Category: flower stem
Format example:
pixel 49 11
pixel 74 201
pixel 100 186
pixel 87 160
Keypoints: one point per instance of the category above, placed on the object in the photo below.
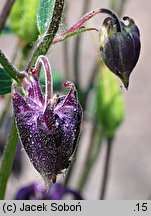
pixel 5 12
pixel 44 44
pixel 7 159
pixel 13 72
pixel 66 35
pixel 92 14
pixel 78 28
pixel 46 41
pixel 106 168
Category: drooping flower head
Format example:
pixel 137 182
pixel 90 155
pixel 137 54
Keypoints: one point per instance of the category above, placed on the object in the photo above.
pixel 48 125
pixel 120 46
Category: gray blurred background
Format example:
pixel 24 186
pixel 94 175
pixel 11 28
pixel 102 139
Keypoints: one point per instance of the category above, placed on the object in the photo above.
pixel 130 171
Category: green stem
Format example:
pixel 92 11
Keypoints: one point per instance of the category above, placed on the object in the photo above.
pixel 7 159
pixel 106 168
pixel 45 42
pixel 13 72
pixel 65 36
pixel 91 14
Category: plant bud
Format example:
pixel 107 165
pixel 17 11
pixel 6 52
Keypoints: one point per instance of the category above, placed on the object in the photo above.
pixel 120 47
pixel 48 129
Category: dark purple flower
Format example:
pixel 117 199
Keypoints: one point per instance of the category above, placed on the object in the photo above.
pixel 48 126
pixel 57 192
pixel 36 191
pixel 33 191
pixel 120 47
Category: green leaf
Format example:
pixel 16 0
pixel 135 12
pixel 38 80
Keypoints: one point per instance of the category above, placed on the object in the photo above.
pixel 5 82
pixel 44 14
pixel 7 160
pixel 22 19
pixel 110 103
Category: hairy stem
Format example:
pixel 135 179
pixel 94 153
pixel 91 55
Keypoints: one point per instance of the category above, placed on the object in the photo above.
pixel 92 14
pixel 44 44
pixel 13 72
pixel 64 36
pixel 78 28
pixel 5 12
pixel 106 168
pixel 7 159
pixel 46 41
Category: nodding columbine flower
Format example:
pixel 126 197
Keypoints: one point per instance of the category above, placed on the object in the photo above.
pixel 120 47
pixel 48 126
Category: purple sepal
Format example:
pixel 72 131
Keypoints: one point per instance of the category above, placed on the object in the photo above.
pixel 36 191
